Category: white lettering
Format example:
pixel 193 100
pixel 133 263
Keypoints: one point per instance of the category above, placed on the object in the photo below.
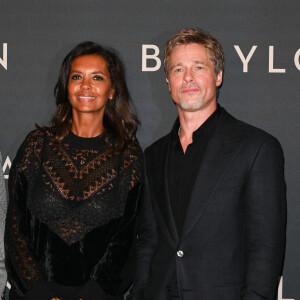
pixel 6 164
pixel 244 60
pixel 280 290
pixel 271 62
pixel 146 56
pixel 297 59
pixel 3 61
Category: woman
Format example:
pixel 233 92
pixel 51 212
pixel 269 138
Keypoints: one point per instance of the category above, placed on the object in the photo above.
pixel 74 188
pixel 3 204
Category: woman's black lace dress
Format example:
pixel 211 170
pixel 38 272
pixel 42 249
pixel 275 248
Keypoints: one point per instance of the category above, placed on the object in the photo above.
pixel 71 217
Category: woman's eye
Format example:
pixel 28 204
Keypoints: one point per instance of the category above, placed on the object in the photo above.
pixel 98 77
pixel 76 77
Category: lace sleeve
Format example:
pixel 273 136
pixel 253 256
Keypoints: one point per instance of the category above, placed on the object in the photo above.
pixel 22 268
pixel 114 272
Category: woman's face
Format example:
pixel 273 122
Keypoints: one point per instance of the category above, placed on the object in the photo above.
pixel 89 85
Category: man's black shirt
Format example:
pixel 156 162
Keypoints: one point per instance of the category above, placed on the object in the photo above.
pixel 183 167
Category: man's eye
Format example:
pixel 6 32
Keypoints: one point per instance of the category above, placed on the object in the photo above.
pixel 178 70
pixel 98 77
pixel 199 68
pixel 76 77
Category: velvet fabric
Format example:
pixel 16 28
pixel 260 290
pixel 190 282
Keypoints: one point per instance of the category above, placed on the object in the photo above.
pixel 71 217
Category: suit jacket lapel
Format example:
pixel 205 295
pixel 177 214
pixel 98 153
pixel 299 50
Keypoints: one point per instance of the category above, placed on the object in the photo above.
pixel 169 213
pixel 160 186
pixel 221 149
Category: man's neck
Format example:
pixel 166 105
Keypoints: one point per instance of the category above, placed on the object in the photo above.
pixel 191 121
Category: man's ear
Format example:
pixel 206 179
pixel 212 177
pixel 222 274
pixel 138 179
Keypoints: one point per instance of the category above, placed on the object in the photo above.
pixel 219 78
pixel 167 80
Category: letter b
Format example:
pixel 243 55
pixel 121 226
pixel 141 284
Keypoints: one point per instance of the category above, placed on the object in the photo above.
pixel 146 56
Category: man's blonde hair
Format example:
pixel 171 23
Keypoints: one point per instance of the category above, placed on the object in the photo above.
pixel 197 36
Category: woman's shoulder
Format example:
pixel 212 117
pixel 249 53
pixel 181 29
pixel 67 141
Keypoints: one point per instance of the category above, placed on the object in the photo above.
pixel 134 149
pixel 34 141
pixel 133 162
pixel 39 134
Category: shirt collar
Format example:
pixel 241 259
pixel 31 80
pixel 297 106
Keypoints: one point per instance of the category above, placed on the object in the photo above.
pixel 206 129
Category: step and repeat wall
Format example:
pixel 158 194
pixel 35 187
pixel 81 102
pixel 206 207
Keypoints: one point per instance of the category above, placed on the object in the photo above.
pixel 261 85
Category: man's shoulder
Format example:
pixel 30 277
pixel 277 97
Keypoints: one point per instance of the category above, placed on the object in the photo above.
pixel 158 146
pixel 249 132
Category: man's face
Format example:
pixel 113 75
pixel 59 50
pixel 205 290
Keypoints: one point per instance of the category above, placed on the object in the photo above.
pixel 192 79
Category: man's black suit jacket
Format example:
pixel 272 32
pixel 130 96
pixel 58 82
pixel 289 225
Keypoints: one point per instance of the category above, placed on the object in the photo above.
pixel 233 240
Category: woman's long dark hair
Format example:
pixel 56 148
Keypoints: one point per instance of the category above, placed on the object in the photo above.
pixel 119 120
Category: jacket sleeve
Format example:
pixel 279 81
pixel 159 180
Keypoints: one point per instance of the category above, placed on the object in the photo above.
pixel 114 271
pixel 266 222
pixel 146 239
pixel 24 271
pixel 3 206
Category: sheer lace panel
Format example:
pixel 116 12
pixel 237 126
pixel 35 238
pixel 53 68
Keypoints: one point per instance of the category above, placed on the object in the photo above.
pixel 77 190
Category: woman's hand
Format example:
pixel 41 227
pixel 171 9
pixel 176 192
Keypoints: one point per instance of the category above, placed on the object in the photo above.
pixel 61 299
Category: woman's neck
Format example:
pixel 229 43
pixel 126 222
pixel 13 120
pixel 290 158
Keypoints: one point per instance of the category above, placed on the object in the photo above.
pixel 87 125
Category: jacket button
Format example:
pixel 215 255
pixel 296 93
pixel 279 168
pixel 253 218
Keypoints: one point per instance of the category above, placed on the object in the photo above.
pixel 169 289
pixel 180 253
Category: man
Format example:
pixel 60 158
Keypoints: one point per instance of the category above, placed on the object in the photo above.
pixel 212 223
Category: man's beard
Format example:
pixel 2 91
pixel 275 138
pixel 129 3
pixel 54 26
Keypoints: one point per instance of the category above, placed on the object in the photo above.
pixel 184 104
pixel 190 107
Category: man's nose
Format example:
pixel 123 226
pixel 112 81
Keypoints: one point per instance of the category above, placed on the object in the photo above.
pixel 188 75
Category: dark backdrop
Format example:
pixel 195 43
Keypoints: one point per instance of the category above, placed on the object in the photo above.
pixel 264 92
